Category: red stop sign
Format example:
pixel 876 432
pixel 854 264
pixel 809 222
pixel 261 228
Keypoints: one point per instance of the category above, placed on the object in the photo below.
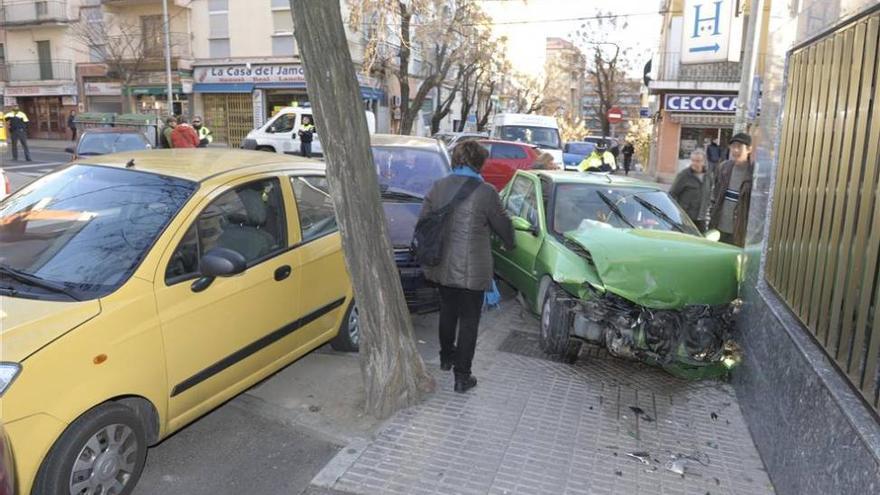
pixel 615 115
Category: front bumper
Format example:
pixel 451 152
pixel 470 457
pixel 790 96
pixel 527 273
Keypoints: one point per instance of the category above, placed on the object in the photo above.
pixel 31 438
pixel 420 294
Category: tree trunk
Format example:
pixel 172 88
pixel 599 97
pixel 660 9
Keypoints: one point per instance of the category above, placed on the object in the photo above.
pixel 406 122
pixel 394 374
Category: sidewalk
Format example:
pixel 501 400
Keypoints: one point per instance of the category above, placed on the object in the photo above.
pixel 535 426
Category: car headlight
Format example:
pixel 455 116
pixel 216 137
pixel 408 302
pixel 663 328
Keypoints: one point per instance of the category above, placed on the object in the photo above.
pixel 8 373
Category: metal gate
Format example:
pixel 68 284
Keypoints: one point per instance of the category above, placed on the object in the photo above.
pixel 824 244
pixel 229 116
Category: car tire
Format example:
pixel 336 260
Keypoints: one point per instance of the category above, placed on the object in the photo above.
pixel 348 338
pixel 266 148
pixel 117 467
pixel 555 322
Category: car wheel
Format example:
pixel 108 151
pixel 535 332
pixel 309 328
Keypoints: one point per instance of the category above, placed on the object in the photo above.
pixel 266 148
pixel 555 322
pixel 349 336
pixel 103 451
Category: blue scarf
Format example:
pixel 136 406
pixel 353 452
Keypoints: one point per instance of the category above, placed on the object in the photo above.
pixel 465 171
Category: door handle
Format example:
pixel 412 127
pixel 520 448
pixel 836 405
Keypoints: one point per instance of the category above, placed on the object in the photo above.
pixel 282 272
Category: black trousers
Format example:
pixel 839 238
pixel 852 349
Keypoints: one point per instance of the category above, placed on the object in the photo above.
pixel 459 309
pixel 16 137
pixel 73 133
pixel 305 149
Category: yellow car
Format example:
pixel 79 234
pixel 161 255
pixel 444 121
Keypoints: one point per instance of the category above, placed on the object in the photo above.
pixel 140 290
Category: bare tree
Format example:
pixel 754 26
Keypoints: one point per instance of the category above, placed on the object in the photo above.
pixel 124 47
pixel 528 93
pixel 394 374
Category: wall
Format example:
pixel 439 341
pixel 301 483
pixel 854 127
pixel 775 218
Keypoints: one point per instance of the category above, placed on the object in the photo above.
pixel 814 434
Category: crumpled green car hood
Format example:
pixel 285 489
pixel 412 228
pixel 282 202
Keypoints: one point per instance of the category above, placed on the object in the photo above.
pixel 662 270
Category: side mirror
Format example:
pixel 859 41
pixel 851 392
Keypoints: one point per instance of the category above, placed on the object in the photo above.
pixel 713 235
pixel 69 150
pixel 222 262
pixel 523 225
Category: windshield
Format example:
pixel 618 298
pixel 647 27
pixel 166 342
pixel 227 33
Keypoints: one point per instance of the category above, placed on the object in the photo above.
pixel 542 137
pixel 580 148
pixel 618 207
pixel 87 227
pixel 102 143
pixel 409 170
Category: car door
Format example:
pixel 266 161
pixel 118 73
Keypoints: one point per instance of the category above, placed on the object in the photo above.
pixel 281 134
pixel 216 336
pixel 518 266
pixel 321 263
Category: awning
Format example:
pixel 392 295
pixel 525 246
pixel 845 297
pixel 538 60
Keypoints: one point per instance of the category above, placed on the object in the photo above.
pixel 223 88
pixel 703 119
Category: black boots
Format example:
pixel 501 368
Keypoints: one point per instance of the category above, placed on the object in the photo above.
pixel 463 383
pixel 445 364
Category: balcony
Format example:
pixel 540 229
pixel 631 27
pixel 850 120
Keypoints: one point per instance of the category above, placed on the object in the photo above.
pixel 39 70
pixel 14 14
pixel 672 74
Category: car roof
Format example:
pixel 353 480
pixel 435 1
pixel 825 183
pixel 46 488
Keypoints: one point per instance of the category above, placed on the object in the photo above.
pixel 404 141
pixel 111 130
pixel 567 177
pixel 200 164
pixel 501 141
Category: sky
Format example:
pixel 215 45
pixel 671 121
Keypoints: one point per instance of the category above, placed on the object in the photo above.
pixel 526 39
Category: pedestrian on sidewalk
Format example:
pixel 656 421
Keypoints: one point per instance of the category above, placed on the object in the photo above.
pixel 71 124
pixel 713 156
pixel 732 192
pixel 465 270
pixel 17 124
pixel 691 189
pixel 628 152
pixel 170 123
pixel 205 135
pixel 306 132
pixel 183 135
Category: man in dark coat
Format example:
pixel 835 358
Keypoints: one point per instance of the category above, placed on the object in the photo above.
pixel 732 192
pixel 691 189
pixel 465 270
pixel 628 152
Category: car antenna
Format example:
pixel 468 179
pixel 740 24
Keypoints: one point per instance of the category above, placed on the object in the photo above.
pixel 130 164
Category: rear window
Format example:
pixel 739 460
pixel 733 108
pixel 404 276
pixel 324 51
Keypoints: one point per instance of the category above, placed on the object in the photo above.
pixel 410 170
pixel 509 151
pixel 102 143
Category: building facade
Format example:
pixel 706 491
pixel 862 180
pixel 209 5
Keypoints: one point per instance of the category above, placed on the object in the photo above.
pixel 564 69
pixel 629 98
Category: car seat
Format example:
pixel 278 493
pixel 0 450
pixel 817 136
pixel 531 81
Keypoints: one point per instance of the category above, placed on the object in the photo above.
pixel 245 233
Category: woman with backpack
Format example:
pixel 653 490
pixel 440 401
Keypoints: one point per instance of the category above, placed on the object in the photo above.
pixel 471 210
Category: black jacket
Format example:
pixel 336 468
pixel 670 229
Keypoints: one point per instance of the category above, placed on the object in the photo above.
pixel 692 193
pixel 466 261
pixel 741 213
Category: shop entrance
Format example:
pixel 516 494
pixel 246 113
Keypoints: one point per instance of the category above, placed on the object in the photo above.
pixel 699 138
pixel 46 116
pixel 230 116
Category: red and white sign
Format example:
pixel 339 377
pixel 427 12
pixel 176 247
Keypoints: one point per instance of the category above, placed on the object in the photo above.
pixel 40 90
pixel 103 88
pixel 615 115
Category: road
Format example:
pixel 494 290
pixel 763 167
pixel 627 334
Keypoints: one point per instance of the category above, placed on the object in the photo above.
pixel 21 172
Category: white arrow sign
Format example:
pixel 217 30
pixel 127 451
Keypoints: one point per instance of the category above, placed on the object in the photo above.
pixel 712 32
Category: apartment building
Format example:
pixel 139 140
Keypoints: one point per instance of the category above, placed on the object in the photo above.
pixel 565 67
pixel 628 99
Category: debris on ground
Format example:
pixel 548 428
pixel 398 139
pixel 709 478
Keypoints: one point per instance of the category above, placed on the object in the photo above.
pixel 638 411
pixel 714 416
pixel 676 466
pixel 644 457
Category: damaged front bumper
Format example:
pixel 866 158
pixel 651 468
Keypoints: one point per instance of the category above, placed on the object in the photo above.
pixel 693 342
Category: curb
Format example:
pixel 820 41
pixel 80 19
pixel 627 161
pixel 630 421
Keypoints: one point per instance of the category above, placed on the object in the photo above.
pixel 330 474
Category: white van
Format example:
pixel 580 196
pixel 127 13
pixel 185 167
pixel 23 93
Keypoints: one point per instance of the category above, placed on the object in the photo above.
pixel 281 132
pixel 539 130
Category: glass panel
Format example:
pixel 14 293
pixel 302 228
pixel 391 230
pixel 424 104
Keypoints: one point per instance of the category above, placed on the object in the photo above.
pixel 283 46
pixel 317 217
pixel 218 26
pixel 282 21
pixel 508 151
pixel 280 4
pixel 216 5
pixel 408 170
pixel 218 48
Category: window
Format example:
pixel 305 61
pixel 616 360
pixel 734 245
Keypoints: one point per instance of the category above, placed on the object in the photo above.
pixel 283 46
pixel 248 219
pixel 284 123
pixel 218 48
pixel 153 33
pixel 282 22
pixel 503 150
pixel 218 25
pixel 2 54
pixel 317 217
pixel 521 201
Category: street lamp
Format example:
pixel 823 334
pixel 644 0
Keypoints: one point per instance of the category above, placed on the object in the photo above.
pixel 167 56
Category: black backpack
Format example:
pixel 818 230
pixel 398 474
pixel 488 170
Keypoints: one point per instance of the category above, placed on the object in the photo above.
pixel 427 243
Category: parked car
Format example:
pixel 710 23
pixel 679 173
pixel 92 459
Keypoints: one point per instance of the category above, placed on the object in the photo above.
pixel 450 139
pixel 5 185
pixel 281 132
pixel 573 153
pixel 141 290
pixel 616 262
pixel 106 140
pixel 7 466
pixel 505 158
pixel 407 167
pixel 539 130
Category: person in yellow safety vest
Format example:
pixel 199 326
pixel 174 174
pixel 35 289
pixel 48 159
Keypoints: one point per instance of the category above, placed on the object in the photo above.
pixel 17 123
pixel 205 136
pixel 600 160
pixel 306 133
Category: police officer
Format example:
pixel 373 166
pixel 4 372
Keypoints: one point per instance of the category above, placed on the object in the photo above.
pixel 306 131
pixel 600 160
pixel 17 122
pixel 205 136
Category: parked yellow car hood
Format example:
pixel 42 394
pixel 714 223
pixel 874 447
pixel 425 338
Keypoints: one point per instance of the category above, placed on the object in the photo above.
pixel 26 325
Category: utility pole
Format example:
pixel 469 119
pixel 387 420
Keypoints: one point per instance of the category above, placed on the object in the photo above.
pixel 167 25
pixel 749 66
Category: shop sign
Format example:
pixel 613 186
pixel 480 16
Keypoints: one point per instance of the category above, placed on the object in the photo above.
pixel 700 103
pixel 186 86
pixel 712 31
pixel 68 101
pixel 9 101
pixel 262 73
pixel 40 90
pixel 103 88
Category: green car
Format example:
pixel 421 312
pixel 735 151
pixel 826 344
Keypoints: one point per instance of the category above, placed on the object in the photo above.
pixel 616 262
